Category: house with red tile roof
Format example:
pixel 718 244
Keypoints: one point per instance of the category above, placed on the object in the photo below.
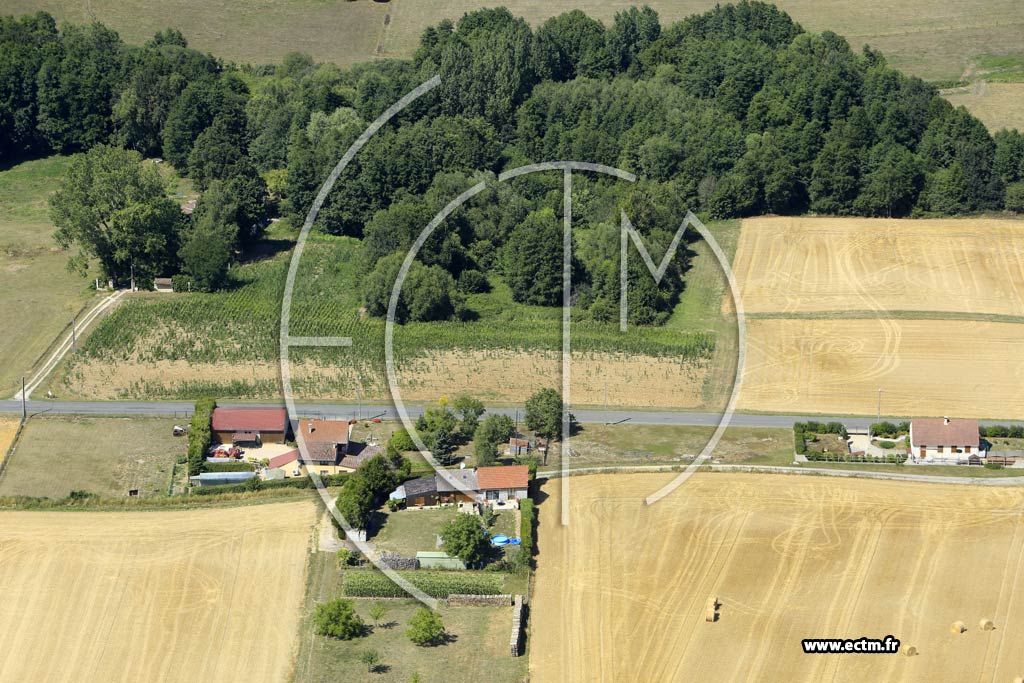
pixel 502 485
pixel 249 425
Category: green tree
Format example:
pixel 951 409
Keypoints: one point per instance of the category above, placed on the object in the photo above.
pixel 355 502
pixel 469 411
pixel 376 473
pixel 206 254
pixel 486 452
pixel 377 611
pixel 544 413
pixel 891 187
pixel 338 619
pixel 533 259
pixel 1015 196
pixel 426 627
pixel 442 445
pixel 466 539
pixel 116 212
pixel 370 658
pixel 401 441
pixel 493 430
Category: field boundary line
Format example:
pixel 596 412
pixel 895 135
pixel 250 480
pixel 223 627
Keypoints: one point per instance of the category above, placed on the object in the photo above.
pixel 10 449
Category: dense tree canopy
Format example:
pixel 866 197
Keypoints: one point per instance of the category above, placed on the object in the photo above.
pixel 733 112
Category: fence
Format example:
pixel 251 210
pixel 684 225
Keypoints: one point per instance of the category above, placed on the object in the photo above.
pixel 518 619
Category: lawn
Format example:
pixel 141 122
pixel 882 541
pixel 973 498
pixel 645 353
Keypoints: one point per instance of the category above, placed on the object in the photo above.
pixel 598 445
pixel 478 649
pixel 101 455
pixel 408 531
pixel 40 295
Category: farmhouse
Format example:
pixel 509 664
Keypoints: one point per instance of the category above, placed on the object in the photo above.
pixel 502 485
pixel 945 439
pixel 481 486
pixel 250 425
pixel 329 446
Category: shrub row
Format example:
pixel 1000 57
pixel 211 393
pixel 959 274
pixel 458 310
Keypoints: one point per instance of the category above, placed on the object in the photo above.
pixel 889 429
pixel 1003 431
pixel 200 435
pixel 369 583
pixel 527 515
pixel 802 429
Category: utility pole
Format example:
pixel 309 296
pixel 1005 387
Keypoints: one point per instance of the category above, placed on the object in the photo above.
pixel 359 394
pixel 879 404
pixel 24 405
pixel 133 276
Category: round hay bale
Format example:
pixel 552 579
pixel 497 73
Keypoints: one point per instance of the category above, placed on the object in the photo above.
pixel 987 625
pixel 911 651
pixel 957 627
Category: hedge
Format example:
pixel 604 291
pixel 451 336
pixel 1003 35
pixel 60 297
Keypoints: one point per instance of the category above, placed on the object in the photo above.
pixel 1002 431
pixel 369 583
pixel 889 429
pixel 527 515
pixel 200 435
pixel 801 429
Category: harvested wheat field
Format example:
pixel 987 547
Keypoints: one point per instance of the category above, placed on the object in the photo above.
pixel 799 265
pixel 924 367
pixel 196 595
pixel 622 592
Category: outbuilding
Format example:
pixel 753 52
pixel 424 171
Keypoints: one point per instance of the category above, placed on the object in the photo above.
pixel 252 425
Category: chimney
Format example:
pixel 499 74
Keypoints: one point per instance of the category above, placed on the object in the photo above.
pixel 945 420
pixel 350 426
pixel 310 426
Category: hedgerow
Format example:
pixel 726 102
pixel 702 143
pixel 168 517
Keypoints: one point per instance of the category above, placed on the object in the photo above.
pixel 368 583
pixel 200 435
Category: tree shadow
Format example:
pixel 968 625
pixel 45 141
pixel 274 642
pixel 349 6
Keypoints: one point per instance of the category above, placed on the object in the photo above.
pixel 378 520
pixel 264 249
pixel 380 669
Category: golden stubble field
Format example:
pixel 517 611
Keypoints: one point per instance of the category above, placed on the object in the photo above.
pixel 801 265
pixel 621 592
pixel 926 310
pixel 193 595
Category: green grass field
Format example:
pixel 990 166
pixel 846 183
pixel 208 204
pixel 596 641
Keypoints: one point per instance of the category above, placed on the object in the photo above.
pixel 599 445
pixel 478 650
pixel 933 39
pixel 106 456
pixel 39 294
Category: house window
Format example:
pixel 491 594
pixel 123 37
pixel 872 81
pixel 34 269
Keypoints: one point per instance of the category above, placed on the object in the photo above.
pixel 941 448
pixel 492 495
pixel 968 449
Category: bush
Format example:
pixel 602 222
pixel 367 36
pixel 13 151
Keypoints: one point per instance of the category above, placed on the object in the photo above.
pixel 370 583
pixel 527 516
pixel 338 619
pixel 888 429
pixel 426 628
pixel 401 440
pixel 293 483
pixel 886 444
pixel 993 466
pixel 474 282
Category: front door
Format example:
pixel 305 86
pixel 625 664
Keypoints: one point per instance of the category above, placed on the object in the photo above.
pixel 922 452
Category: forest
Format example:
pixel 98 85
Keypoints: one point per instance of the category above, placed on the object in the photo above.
pixel 730 113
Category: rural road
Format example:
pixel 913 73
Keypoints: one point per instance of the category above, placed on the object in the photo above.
pixel 347 410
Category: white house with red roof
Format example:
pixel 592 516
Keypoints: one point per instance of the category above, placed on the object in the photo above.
pixel 944 439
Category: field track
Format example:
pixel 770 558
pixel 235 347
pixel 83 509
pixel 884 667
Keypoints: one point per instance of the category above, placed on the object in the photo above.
pixel 194 595
pixel 624 586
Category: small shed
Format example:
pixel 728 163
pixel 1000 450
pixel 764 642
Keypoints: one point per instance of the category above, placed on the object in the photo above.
pixel 438 559
pixel 518 446
pixel 163 284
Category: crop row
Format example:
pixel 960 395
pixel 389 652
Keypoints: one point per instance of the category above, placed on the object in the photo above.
pixel 368 583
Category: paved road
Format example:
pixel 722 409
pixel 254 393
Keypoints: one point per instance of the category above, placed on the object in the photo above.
pixel 344 411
